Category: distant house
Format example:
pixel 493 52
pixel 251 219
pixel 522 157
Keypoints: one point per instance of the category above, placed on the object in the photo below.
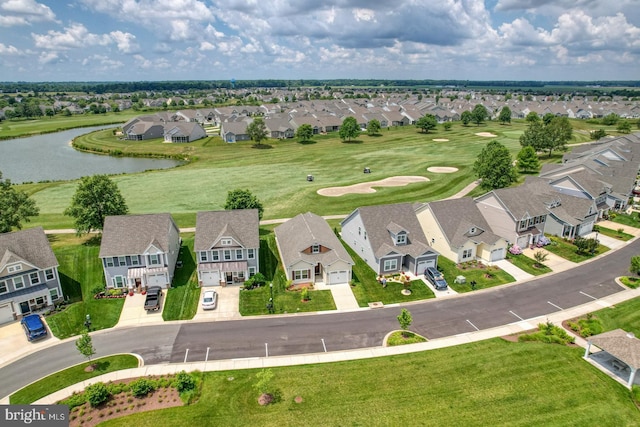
pixel 389 239
pixel 234 131
pixel 279 128
pixel 227 246
pixel 138 251
pixel 140 130
pixel 311 252
pixel 183 132
pixel 29 278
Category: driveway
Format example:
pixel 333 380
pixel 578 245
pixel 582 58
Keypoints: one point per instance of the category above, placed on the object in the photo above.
pixel 227 307
pixel 133 312
pixel 12 337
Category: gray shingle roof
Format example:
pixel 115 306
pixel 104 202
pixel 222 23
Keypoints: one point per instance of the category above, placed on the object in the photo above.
pixel 303 231
pixel 620 344
pixel 132 234
pixel 240 224
pixel 29 245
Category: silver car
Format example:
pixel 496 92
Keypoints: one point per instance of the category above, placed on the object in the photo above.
pixel 209 300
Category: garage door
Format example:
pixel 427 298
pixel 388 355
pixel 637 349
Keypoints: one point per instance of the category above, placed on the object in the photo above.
pixel 422 266
pixel 497 254
pixel 157 280
pixel 6 314
pixel 336 277
pixel 210 278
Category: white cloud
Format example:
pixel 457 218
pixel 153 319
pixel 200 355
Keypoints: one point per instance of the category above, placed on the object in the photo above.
pixel 75 36
pixel 8 50
pixel 125 41
pixel 24 12
pixel 104 62
pixel 48 57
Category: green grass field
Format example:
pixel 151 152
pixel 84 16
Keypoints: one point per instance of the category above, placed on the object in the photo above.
pixel 184 295
pixel 488 383
pixel 527 264
pixel 277 176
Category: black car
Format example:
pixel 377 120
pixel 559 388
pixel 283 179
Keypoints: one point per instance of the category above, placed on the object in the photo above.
pixel 436 278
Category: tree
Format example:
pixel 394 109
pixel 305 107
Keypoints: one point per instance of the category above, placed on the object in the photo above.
pixel 505 115
pixel 466 117
pixel 635 265
pixel 15 206
pixel 597 134
pixel 243 199
pixel 427 123
pixel 559 131
pixel 540 258
pixel 84 344
pixel 528 160
pixel 494 166
pixel 447 125
pixel 373 127
pixel 405 319
pixel 532 117
pixel 264 387
pixel 624 126
pixel 349 129
pixel 546 119
pixel 584 245
pixel 96 198
pixel 610 119
pixel 305 132
pixel 479 114
pixel 257 131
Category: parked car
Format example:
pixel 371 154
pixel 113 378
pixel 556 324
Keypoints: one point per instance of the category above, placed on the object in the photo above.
pixel 435 278
pixel 152 302
pixel 209 300
pixel 34 327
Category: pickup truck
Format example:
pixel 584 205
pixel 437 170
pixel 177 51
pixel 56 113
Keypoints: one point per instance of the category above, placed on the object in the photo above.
pixel 152 302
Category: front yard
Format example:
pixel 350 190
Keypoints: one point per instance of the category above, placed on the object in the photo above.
pixel 484 276
pixel 567 250
pixel 527 264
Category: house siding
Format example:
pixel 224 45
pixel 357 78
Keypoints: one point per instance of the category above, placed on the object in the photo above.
pixel 435 236
pixel 353 233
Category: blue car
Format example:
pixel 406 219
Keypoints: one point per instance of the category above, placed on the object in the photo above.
pixel 34 327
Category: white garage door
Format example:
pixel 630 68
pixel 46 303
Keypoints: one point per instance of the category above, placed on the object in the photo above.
pixel 422 266
pixel 157 280
pixel 336 277
pixel 210 278
pixel 497 254
pixel 6 314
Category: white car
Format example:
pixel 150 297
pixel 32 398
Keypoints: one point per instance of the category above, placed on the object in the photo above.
pixel 209 300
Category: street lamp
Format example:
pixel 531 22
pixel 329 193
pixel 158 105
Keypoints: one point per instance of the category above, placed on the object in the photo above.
pixel 271 299
pixel 87 322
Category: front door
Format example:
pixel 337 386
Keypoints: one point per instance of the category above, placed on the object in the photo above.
pixel 24 307
pixel 229 276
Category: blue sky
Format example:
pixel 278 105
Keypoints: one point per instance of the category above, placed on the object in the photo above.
pixel 129 40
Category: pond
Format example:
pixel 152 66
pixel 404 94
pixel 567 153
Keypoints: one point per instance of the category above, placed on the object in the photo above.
pixel 50 157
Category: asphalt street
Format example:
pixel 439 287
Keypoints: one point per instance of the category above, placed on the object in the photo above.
pixel 313 333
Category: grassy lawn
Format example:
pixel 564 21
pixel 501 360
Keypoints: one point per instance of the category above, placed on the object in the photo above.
pixel 402 338
pixel 282 171
pixel 15 128
pixel 630 281
pixel 567 250
pixel 81 273
pixel 632 220
pixel 487 383
pixel 527 264
pixel 625 315
pixel 184 294
pixel 367 289
pixel 616 234
pixel 70 376
pixel 450 270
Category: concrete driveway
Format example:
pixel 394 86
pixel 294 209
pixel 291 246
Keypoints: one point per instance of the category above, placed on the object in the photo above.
pixel 133 312
pixel 15 345
pixel 227 307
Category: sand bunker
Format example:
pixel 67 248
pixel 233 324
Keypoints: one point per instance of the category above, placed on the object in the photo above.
pixel 442 169
pixel 486 134
pixel 440 140
pixel 367 187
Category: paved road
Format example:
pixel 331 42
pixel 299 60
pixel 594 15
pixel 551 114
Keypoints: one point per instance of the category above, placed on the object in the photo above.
pixel 288 335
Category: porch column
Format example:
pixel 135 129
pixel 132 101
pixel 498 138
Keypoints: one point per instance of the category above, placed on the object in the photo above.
pixel 586 350
pixel 632 377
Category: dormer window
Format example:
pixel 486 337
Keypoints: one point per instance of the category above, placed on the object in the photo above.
pixel 401 239
pixel 14 268
pixel 226 242
pixel 473 230
pixel 315 249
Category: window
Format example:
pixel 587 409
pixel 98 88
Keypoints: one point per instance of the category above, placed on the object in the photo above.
pixel 401 239
pixel 34 278
pixel 215 255
pixel 53 293
pixel 49 274
pixel 238 253
pixel 109 261
pixel 252 271
pixel 40 300
pixel 18 282
pixel 365 235
pixel 3 286
pixel 523 224
pixel 154 259
pixel 203 256
pixel 226 242
pixel 14 268
pixel 118 282
pixel 359 231
pixel 227 255
pixel 390 265
pixel 300 274
pixel 466 253
pixel 251 253
pixel 122 260
pixel 315 249
pixel 135 260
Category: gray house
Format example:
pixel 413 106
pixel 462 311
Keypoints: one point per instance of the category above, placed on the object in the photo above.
pixel 227 246
pixel 183 132
pixel 389 239
pixel 138 251
pixel 28 274
pixel 311 252
pixel 234 131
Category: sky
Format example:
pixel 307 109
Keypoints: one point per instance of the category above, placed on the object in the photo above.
pixel 147 40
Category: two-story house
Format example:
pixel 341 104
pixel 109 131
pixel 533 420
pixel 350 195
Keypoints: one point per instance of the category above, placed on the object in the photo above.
pixel 311 252
pixel 138 251
pixel 389 239
pixel 29 278
pixel 227 246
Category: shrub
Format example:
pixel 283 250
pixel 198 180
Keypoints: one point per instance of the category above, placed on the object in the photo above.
pixel 96 394
pixel 75 400
pixel 305 294
pixel 184 382
pixel 515 250
pixel 141 387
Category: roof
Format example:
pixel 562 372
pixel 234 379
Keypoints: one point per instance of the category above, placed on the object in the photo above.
pixel 380 220
pixel 31 246
pixel 240 224
pixel 132 234
pixel 304 231
pixel 620 344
